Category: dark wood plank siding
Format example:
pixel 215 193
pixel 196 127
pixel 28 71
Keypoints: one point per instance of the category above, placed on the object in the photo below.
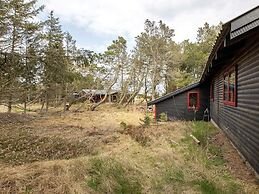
pixel 176 107
pixel 214 103
pixel 241 123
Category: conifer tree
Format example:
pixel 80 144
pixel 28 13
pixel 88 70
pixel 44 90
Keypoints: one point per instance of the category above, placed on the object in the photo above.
pixel 55 66
pixel 17 18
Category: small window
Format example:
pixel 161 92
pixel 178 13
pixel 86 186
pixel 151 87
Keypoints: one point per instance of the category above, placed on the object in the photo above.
pixel 229 90
pixel 193 100
pixel 212 86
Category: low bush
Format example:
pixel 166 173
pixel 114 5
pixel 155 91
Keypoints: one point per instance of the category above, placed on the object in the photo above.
pixel 123 125
pixel 163 117
pixel 146 121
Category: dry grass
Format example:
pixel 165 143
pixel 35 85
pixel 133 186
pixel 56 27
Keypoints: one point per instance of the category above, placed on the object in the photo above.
pixel 3 108
pixel 157 159
pixel 27 139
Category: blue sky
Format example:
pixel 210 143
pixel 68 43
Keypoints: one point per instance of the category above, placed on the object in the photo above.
pixel 95 23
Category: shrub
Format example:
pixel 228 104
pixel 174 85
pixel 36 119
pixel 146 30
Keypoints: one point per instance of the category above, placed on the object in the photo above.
pixel 123 125
pixel 163 117
pixel 146 121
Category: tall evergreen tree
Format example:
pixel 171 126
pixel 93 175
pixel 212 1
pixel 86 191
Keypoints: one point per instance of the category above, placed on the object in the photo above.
pixel 31 63
pixel 57 60
pixel 18 19
pixel 3 19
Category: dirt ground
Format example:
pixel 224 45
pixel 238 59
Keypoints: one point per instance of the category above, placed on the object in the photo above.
pixel 111 150
pixel 235 163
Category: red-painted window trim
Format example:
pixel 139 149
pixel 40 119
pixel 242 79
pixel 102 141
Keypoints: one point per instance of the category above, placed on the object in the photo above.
pixel 227 73
pixel 198 99
pixel 212 88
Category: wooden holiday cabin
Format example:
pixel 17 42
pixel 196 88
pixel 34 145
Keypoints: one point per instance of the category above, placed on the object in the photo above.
pixel 97 95
pixel 228 88
pixel 188 103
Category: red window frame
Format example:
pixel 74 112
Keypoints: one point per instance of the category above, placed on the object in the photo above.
pixel 227 73
pixel 212 88
pixel 198 100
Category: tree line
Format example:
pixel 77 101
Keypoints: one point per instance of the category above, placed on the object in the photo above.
pixel 39 62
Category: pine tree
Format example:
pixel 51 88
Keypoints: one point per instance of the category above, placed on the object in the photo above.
pixel 154 44
pixel 3 19
pixel 18 15
pixel 195 54
pixel 31 64
pixel 55 64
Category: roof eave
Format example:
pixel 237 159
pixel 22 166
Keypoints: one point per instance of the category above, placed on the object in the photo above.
pixel 177 92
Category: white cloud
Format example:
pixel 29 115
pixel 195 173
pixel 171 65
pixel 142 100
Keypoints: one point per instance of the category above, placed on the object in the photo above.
pixel 113 16
pixel 126 17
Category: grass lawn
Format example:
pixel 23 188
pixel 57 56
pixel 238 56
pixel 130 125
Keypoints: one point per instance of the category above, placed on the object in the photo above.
pixel 111 151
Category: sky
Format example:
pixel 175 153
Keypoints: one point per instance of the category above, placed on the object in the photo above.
pixel 95 23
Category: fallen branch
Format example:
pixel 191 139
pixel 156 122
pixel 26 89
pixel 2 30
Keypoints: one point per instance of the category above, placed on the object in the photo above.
pixel 173 142
pixel 195 139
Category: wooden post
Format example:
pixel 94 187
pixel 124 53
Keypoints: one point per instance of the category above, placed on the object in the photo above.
pixel 154 112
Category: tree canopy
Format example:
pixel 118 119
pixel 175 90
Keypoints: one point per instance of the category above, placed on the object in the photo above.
pixel 39 61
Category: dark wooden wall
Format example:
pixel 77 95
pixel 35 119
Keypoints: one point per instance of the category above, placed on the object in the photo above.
pixel 176 107
pixel 241 123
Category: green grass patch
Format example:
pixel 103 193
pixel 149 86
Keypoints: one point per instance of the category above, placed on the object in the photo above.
pixel 234 188
pixel 110 176
pixel 174 175
pixel 210 157
pixel 206 153
pixel 208 187
pixel 202 131
pixel 215 156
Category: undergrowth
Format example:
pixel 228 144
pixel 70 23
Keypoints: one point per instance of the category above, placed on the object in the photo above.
pixel 23 147
pixel 165 159
pixel 105 172
pixel 210 157
pixel 139 134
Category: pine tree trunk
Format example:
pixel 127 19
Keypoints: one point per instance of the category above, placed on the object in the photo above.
pixel 131 99
pixel 122 98
pixel 10 99
pixel 145 90
pixel 65 107
pixel 47 101
pixel 25 103
pixel 93 107
pixel 42 105
pixel 153 92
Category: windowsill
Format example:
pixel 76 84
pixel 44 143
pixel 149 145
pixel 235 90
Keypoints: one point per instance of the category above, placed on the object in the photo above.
pixel 229 103
pixel 191 109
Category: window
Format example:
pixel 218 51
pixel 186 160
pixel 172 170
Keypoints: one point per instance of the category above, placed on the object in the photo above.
pixel 193 100
pixel 212 86
pixel 229 89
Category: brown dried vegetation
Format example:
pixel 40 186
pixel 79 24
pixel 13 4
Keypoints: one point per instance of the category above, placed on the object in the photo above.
pixel 89 152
